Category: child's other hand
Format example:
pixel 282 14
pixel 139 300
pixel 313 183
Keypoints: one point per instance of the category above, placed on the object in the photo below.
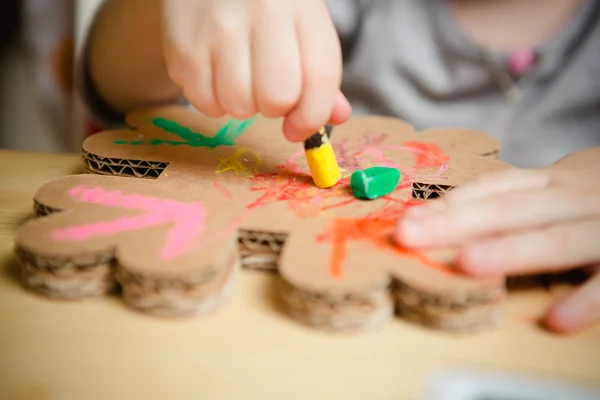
pixel 242 57
pixel 523 222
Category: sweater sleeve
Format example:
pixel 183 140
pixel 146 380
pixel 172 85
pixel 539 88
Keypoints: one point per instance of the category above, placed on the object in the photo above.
pixel 97 109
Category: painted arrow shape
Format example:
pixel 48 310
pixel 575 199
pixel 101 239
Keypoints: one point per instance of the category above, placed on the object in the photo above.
pixel 188 219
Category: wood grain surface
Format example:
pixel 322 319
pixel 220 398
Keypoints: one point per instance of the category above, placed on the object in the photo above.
pixel 101 350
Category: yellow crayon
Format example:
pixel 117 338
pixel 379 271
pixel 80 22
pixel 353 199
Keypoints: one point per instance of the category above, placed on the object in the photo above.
pixel 321 158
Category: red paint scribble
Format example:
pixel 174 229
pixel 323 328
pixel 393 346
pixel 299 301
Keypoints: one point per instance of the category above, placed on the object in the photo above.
pixel 292 185
pixel 377 229
pixel 222 189
pixel 427 155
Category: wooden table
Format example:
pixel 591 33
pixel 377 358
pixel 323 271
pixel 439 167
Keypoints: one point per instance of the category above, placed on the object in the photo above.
pixel 248 349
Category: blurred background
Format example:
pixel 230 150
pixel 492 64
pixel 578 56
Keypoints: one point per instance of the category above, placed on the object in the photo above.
pixel 28 120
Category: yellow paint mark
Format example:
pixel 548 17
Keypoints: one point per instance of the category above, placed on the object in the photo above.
pixel 235 163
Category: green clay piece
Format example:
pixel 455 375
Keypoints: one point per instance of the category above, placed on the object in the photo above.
pixel 374 182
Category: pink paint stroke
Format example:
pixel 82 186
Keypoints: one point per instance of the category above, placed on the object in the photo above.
pixel 188 218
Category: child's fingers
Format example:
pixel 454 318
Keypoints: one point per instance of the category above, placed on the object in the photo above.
pixel 276 70
pixel 577 311
pixel 341 110
pixel 555 248
pixel 522 210
pixel 233 68
pixel 198 86
pixel 321 73
pixel 486 186
pixel 494 183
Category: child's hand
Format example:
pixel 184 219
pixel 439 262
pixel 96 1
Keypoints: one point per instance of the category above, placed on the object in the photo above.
pixel 523 222
pixel 241 57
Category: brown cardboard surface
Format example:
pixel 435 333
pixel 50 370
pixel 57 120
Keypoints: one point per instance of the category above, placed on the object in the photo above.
pixel 334 248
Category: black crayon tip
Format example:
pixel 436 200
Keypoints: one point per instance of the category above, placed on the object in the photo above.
pixel 320 137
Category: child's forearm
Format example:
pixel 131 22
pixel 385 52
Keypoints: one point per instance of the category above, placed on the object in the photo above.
pixel 125 57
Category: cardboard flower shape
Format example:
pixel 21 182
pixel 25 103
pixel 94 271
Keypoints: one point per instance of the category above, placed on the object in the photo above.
pixel 171 204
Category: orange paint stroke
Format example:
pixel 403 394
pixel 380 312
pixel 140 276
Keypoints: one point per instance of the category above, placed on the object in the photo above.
pixel 376 229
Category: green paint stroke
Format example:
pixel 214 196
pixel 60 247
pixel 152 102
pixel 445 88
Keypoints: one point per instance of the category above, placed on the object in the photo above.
pixel 225 136
pixel 134 143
